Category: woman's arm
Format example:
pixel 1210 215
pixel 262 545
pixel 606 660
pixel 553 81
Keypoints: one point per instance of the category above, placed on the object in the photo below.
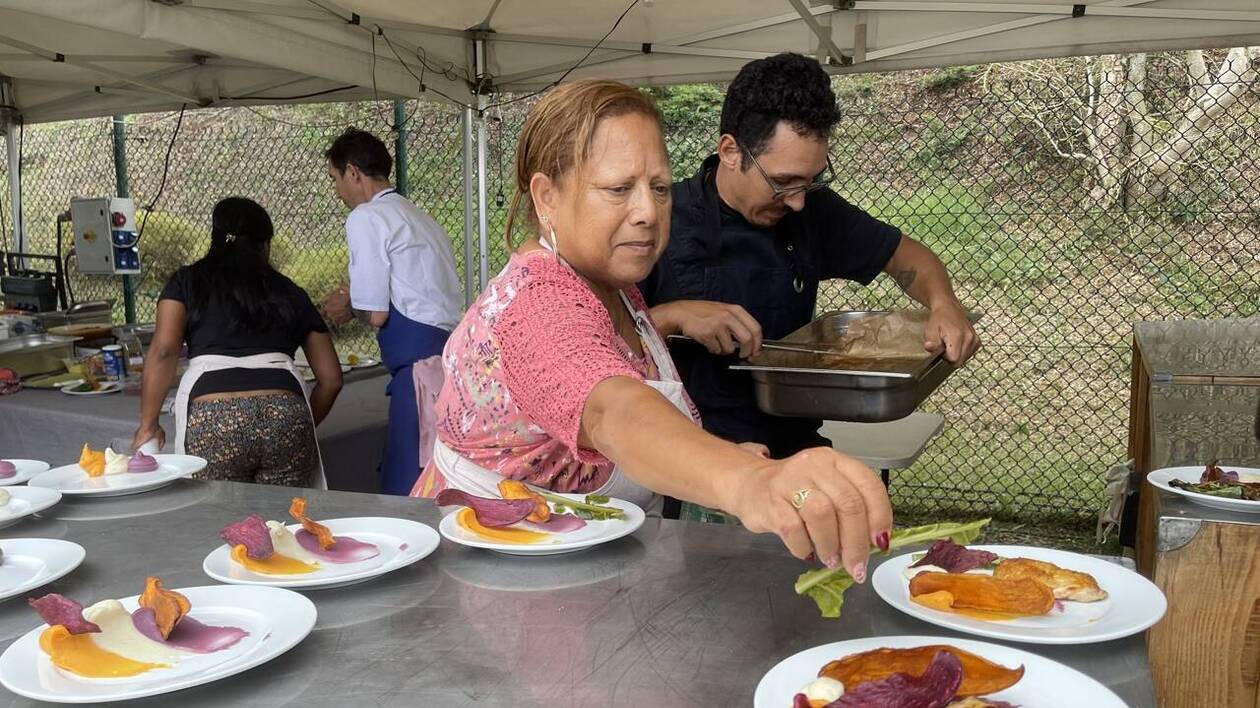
pixel 322 357
pixel 159 370
pixel 846 509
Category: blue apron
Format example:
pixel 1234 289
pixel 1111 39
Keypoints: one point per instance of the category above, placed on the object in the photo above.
pixel 404 342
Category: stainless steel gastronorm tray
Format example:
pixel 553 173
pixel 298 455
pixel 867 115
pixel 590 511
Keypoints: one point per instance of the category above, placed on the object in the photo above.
pixel 867 390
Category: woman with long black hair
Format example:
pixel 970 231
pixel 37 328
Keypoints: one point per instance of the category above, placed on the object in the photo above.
pixel 241 405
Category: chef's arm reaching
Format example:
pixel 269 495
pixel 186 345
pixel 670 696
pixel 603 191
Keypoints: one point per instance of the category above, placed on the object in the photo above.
pixel 722 328
pixel 923 277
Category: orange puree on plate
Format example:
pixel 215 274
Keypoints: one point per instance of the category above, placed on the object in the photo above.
pixel 78 654
pixel 275 565
pixel 467 519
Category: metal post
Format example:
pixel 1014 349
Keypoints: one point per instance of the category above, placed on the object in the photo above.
pixel 123 189
pixel 400 146
pixel 481 195
pixel 10 124
pixel 470 289
pixel 479 56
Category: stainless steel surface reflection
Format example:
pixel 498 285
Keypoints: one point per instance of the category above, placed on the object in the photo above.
pixel 680 614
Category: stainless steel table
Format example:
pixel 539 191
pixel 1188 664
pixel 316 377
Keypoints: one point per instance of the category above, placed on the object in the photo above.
pixel 52 426
pixel 680 614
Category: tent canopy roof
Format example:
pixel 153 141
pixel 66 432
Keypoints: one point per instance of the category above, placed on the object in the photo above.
pixel 78 58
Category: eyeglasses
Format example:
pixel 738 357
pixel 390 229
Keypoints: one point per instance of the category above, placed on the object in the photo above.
pixel 781 192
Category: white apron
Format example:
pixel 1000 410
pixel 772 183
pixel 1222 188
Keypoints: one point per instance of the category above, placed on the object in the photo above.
pixel 216 362
pixel 463 474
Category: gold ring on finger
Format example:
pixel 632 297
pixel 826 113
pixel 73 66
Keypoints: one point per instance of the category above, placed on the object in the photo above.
pixel 798 499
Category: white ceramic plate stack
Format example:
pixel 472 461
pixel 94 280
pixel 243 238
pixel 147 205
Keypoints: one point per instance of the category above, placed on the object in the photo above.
pixel 1045 682
pixel 24 501
pixel 276 619
pixel 26 469
pixel 401 543
pixel 30 563
pixel 72 480
pixel 1162 479
pixel 1133 603
pixel 593 534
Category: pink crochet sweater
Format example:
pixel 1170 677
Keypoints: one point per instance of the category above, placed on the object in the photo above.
pixel 519 368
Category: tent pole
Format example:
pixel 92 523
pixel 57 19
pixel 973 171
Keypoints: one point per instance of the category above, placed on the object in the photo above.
pixel 479 61
pixel 469 288
pixel 481 195
pixel 14 174
pixel 400 147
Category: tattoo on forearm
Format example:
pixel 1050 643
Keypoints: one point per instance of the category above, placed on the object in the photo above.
pixel 905 278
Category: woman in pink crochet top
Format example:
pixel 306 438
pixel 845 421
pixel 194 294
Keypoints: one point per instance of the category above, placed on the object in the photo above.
pixel 557 376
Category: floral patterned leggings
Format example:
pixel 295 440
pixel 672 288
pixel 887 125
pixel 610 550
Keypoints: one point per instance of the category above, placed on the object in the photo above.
pixel 268 439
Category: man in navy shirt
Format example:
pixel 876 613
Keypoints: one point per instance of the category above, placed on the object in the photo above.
pixel 753 233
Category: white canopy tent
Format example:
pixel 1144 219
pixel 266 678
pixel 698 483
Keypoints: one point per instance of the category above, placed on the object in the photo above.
pixel 64 59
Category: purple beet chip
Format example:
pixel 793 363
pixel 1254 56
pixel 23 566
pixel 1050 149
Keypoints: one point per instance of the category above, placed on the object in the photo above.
pixel 56 609
pixel 490 512
pixel 251 533
pixel 955 558
pixel 934 689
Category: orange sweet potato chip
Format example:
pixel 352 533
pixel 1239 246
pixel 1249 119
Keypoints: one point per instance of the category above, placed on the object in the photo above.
pixel 297 509
pixel 168 606
pixel 92 461
pixel 980 676
pixel 984 592
pixel 512 489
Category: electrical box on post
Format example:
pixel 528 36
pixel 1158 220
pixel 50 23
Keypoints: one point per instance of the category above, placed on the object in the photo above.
pixel 105 236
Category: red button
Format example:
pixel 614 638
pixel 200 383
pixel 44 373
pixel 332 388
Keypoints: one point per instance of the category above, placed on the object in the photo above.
pixel 119 218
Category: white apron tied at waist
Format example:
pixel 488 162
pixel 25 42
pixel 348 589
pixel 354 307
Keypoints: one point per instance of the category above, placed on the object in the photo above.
pixel 207 363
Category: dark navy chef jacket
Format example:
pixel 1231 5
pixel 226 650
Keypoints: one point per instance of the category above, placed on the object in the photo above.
pixel 715 254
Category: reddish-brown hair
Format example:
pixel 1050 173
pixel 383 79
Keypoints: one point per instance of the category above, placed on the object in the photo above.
pixel 556 138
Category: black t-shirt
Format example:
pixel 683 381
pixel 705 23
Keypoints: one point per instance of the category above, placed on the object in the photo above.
pixel 214 334
pixel 758 268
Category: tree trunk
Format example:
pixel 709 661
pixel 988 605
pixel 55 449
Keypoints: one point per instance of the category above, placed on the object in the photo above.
pixel 1113 100
pixel 1156 170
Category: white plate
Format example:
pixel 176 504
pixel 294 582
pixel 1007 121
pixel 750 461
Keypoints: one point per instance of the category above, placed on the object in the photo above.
pixel 106 387
pixel 276 620
pixel 25 470
pixel 364 362
pixel 1045 682
pixel 401 542
pixel 72 480
pixel 32 562
pixel 593 534
pixel 24 501
pixel 1161 478
pixel 1132 605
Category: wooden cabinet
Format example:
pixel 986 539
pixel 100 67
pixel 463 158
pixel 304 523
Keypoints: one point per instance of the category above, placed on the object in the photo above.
pixel 1195 390
pixel 1206 650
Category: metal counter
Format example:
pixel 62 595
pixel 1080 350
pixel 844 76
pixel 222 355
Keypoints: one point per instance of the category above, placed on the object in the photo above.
pixel 679 614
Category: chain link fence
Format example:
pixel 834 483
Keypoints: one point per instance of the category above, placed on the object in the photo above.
pixel 1068 199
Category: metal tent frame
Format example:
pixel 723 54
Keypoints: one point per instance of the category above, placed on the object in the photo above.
pixel 80 58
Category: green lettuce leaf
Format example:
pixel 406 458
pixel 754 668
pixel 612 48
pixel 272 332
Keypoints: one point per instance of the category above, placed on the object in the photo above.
pixel 962 534
pixel 826 586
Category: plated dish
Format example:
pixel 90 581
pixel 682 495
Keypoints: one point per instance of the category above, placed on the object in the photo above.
pixel 529 521
pixel 1020 593
pixel 925 672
